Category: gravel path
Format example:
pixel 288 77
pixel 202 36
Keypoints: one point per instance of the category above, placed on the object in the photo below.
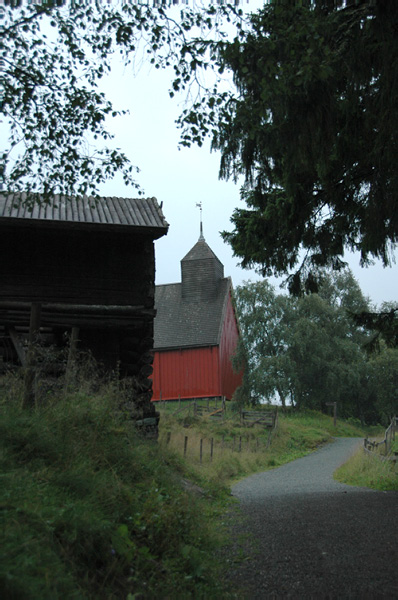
pixel 304 535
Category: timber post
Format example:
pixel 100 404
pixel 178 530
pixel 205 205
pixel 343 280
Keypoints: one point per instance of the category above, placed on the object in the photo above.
pixel 185 445
pixel 71 365
pixel 334 404
pixel 31 356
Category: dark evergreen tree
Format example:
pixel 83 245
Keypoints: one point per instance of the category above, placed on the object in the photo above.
pixel 384 324
pixel 313 131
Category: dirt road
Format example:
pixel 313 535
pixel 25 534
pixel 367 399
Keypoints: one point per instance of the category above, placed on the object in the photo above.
pixel 304 535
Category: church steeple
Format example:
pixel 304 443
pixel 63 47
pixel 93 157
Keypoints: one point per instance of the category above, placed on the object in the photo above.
pixel 201 272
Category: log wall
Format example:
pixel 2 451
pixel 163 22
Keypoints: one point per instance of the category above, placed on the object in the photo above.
pixel 85 267
pixel 99 281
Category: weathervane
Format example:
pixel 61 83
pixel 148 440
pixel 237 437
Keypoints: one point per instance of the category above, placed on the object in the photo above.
pixel 199 204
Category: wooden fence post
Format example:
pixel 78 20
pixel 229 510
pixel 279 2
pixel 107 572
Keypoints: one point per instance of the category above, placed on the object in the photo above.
pixel 334 404
pixel 201 450
pixel 31 357
pixel 211 449
pixel 185 445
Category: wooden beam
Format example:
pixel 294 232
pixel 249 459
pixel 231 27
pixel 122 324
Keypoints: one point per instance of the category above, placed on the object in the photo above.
pixel 82 315
pixel 63 307
pixel 20 350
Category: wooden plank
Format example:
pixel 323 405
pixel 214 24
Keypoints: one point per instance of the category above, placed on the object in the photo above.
pixel 20 350
pixel 216 412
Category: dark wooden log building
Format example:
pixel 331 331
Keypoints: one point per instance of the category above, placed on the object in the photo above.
pixel 88 265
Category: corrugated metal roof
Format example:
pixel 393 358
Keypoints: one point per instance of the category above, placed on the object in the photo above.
pixel 85 211
pixel 181 324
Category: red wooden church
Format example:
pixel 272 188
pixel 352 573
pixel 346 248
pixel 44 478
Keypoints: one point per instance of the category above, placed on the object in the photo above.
pixel 195 331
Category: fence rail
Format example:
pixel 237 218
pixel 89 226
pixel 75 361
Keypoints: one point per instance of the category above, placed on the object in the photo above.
pixel 249 418
pixel 216 410
pixel 376 448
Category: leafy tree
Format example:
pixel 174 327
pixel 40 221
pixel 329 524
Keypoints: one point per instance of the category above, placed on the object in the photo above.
pixel 341 290
pixel 52 60
pixel 262 348
pixel 312 129
pixel 53 56
pixel 385 376
pixel 304 350
pixel 326 355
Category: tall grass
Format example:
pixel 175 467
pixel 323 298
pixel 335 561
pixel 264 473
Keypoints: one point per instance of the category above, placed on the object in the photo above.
pixel 90 510
pixel 367 470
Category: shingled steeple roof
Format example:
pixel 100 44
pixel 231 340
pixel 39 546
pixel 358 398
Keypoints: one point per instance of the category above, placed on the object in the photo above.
pixel 201 250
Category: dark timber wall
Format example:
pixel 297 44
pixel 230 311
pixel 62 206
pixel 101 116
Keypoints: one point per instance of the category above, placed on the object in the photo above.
pixel 76 266
pixel 97 277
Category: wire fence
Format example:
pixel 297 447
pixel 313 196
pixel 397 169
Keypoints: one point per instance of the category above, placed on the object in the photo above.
pixel 203 448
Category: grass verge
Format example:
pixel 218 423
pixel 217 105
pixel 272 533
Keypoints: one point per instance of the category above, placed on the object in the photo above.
pixel 89 510
pixel 365 470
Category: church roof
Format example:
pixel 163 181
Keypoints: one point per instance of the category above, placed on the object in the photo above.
pixel 181 324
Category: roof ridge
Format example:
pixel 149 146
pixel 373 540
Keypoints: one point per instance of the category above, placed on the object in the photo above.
pixel 164 284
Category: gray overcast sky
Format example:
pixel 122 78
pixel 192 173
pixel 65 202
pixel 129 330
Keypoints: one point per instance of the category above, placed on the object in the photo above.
pixel 181 179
